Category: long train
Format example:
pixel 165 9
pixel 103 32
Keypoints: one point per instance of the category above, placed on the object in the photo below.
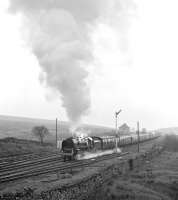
pixel 73 146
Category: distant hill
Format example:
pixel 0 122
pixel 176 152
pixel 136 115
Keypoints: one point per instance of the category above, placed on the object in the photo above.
pixel 21 127
pixel 170 130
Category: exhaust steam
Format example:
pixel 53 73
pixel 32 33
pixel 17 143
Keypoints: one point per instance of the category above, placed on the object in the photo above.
pixel 59 35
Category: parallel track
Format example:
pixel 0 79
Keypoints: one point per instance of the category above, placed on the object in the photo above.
pixel 30 163
pixel 29 159
pixel 53 168
pixel 16 158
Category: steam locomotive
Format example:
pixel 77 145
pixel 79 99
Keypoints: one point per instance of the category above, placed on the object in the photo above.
pixel 73 146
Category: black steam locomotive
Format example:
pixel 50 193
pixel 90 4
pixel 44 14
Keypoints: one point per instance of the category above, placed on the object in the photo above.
pixel 72 147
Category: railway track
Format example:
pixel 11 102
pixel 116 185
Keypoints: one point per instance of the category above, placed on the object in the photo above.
pixel 52 167
pixel 11 157
pixel 14 158
pixel 30 163
pixel 33 158
pixel 24 157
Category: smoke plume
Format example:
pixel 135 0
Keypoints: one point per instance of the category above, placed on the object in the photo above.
pixel 59 36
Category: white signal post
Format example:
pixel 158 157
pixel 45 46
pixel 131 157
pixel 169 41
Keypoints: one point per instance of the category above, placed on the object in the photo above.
pixel 116 114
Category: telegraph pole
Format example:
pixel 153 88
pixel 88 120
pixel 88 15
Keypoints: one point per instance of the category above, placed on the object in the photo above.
pixel 138 136
pixel 116 114
pixel 116 131
pixel 56 133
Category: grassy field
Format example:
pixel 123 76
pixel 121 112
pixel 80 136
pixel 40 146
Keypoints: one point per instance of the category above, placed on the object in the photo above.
pixel 13 146
pixel 155 180
pixel 19 127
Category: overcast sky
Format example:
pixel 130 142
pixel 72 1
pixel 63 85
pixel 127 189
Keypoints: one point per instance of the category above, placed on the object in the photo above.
pixel 141 80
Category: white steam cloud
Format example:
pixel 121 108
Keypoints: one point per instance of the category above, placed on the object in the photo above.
pixel 59 35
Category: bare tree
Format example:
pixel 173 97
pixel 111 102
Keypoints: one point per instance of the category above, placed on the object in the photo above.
pixel 40 132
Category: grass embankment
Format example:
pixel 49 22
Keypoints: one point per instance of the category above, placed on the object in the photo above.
pixel 157 179
pixel 13 146
pixel 170 142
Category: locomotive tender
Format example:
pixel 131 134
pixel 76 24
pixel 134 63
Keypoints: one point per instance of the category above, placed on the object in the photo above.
pixel 73 146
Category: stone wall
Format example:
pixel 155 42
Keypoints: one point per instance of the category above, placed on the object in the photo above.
pixel 85 189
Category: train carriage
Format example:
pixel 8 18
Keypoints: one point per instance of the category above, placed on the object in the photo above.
pixel 108 142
